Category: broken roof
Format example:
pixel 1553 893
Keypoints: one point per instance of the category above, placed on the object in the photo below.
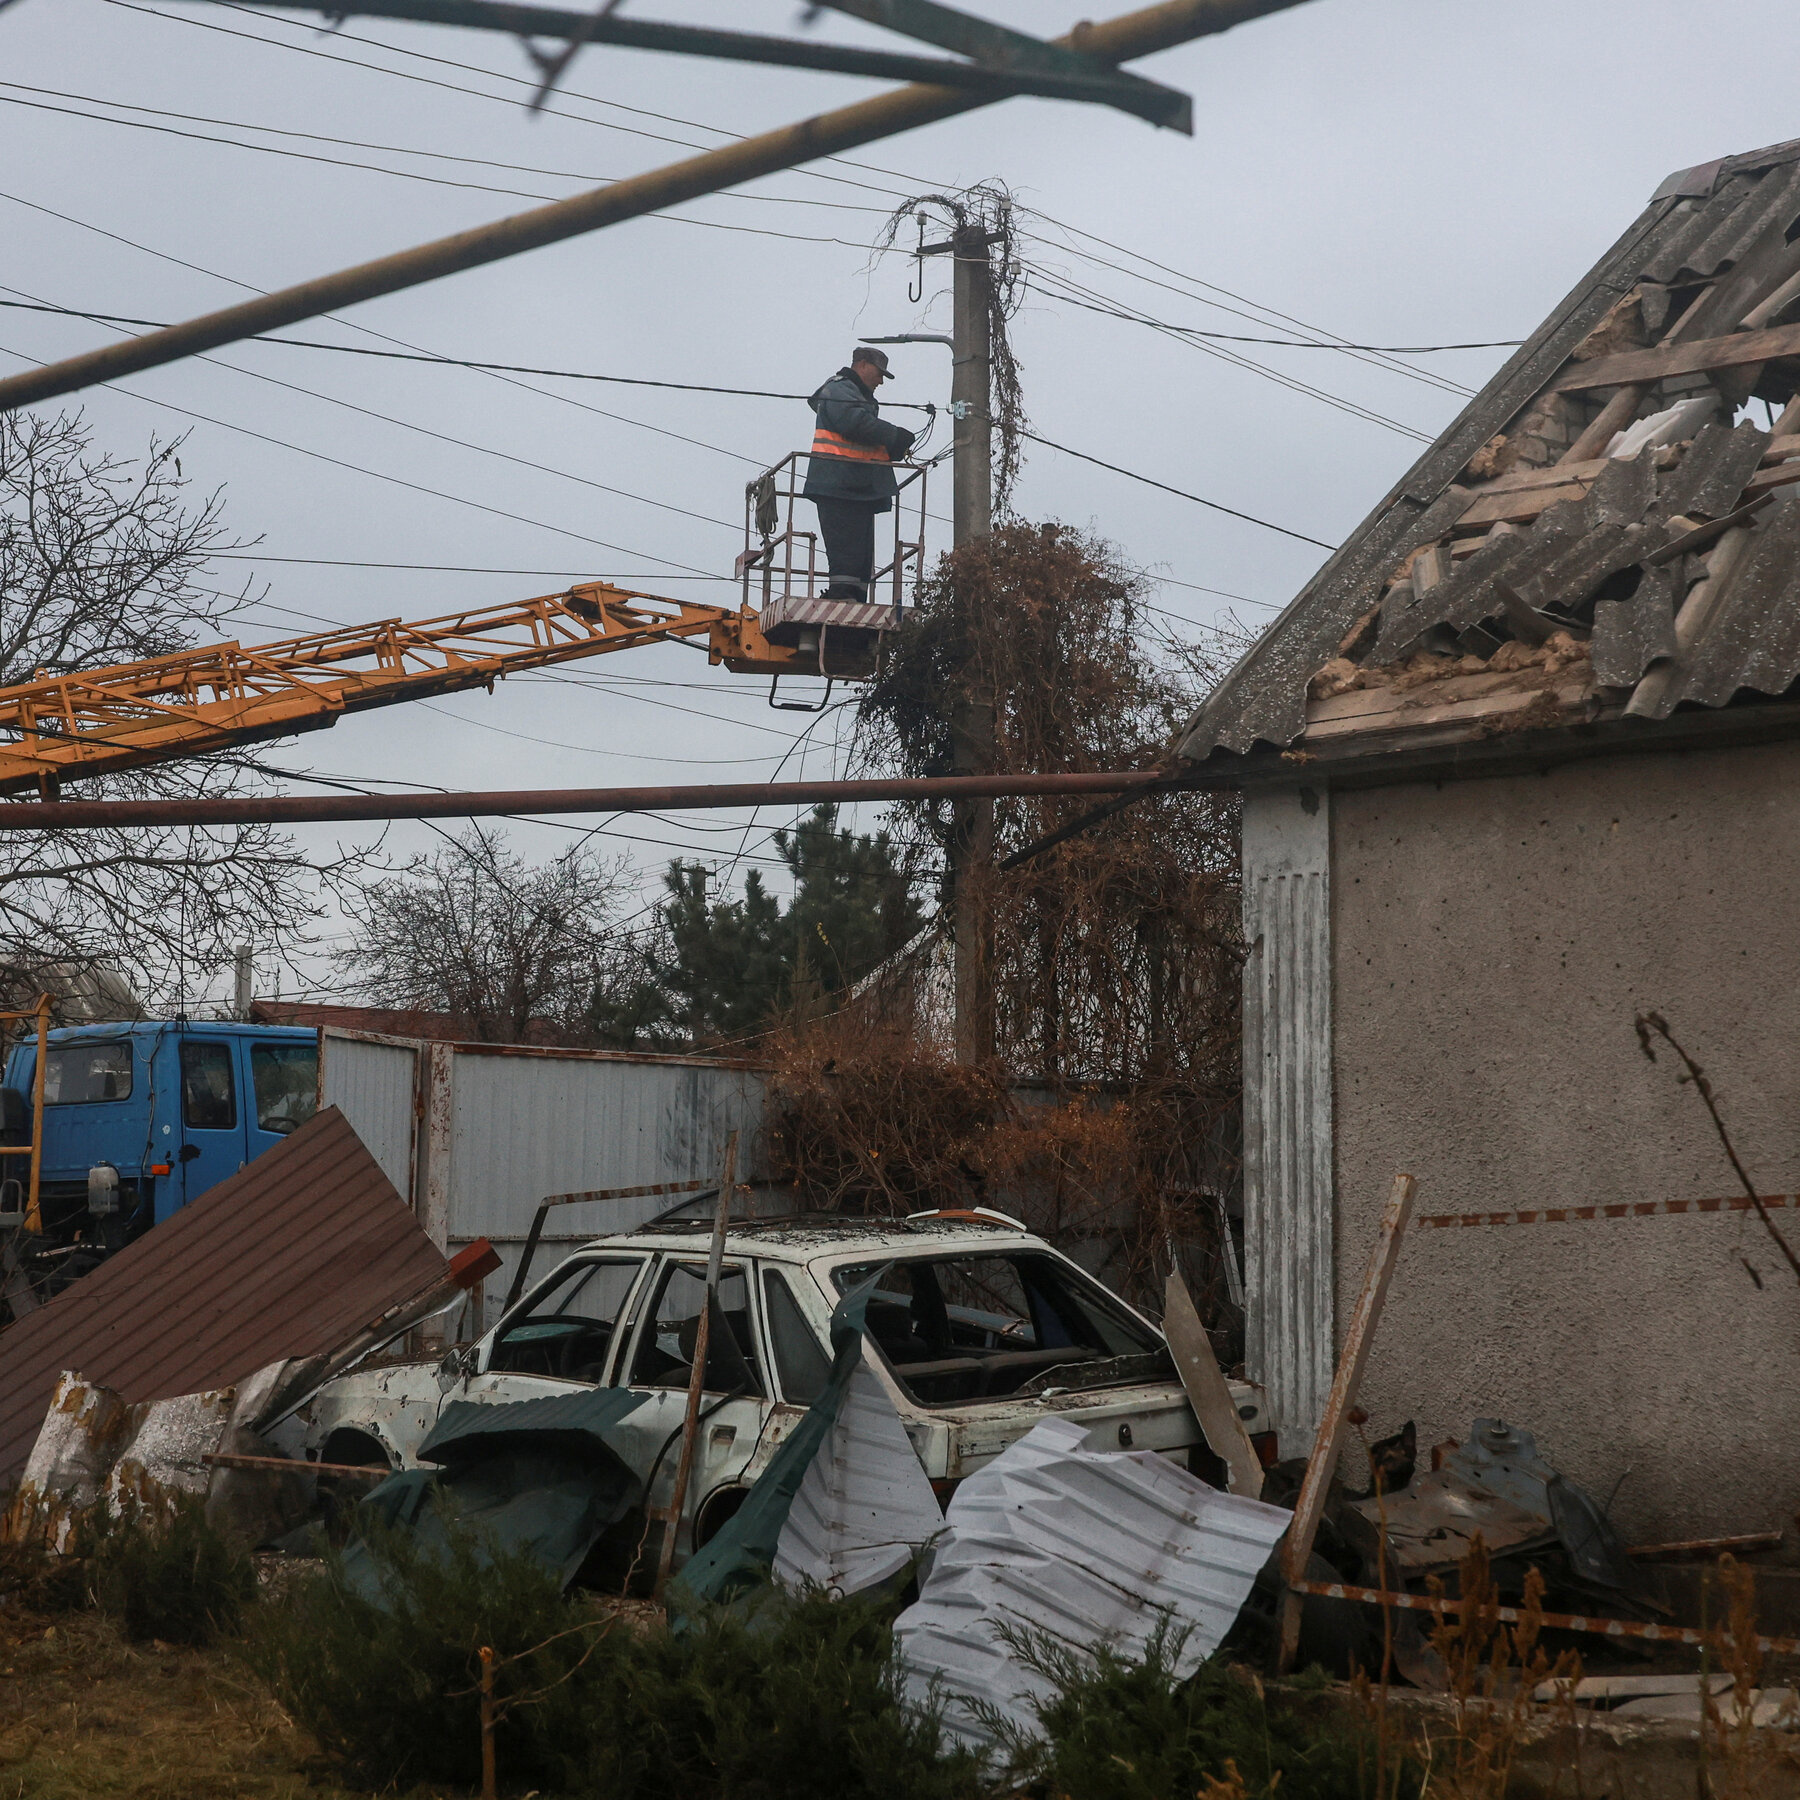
pixel 290 1257
pixel 1595 541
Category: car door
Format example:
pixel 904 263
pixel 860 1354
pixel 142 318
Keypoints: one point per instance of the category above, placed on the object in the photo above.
pixel 734 1399
pixel 213 1141
pixel 563 1334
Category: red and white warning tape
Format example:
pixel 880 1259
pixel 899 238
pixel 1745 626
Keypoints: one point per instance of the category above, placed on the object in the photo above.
pixel 1638 1209
pixel 1633 1628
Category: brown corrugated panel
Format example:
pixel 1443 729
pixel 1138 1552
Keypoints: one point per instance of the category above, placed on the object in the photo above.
pixel 290 1257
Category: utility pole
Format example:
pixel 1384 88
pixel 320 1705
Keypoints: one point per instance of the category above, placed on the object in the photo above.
pixel 972 727
pixel 243 995
pixel 972 724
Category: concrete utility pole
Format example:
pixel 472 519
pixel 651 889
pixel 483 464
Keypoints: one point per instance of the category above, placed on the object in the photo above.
pixel 972 726
pixel 243 996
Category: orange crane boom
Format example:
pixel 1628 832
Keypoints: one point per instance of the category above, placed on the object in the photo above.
pixel 97 721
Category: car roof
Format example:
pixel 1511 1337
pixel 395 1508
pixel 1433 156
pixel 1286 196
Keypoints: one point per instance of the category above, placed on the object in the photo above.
pixel 811 1237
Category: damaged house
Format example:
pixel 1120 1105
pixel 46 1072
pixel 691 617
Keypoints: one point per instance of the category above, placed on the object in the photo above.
pixel 1522 761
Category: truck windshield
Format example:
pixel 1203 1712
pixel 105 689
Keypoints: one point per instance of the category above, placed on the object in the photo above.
pixel 79 1074
pixel 956 1329
pixel 286 1079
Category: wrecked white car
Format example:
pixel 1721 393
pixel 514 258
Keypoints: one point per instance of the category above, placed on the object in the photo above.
pixel 978 1332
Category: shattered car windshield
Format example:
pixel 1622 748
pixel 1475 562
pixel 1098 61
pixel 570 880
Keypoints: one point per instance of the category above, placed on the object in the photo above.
pixel 956 1329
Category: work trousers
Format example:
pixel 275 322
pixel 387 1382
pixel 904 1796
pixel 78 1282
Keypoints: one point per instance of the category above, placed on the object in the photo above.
pixel 848 527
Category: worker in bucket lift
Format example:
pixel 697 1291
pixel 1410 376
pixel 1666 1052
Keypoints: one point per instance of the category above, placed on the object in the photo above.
pixel 850 474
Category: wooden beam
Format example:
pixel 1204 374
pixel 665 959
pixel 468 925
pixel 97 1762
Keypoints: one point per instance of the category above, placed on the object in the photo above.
pixel 1679 359
pixel 1207 1393
pixel 1352 1360
pixel 1518 505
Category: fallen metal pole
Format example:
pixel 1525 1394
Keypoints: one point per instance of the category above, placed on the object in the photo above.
pixel 585 1198
pixel 96 815
pixel 1512 1615
pixel 288 1465
pixel 826 134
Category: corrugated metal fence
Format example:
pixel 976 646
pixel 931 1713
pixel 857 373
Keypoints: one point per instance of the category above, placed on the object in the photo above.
pixel 1289 1342
pixel 478 1134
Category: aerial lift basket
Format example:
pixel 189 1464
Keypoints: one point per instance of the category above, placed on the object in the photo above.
pixel 782 569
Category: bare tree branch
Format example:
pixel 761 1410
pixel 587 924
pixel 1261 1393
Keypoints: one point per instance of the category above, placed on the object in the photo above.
pixel 1649 1022
pixel 98 556
pixel 511 950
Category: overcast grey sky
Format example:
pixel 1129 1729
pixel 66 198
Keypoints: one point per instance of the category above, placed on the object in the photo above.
pixel 1395 172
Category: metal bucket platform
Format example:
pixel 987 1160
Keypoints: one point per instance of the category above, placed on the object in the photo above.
pixel 786 616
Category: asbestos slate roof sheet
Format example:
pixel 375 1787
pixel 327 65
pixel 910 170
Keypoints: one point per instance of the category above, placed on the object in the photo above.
pixel 1728 224
pixel 290 1257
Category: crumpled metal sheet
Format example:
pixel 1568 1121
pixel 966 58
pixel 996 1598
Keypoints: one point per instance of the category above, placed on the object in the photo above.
pixel 290 1257
pixel 472 1428
pixel 1091 1548
pixel 865 1508
pixel 1495 1484
pixel 533 1477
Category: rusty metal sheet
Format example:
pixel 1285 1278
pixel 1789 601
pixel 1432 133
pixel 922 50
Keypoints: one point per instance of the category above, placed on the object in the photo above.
pixel 1432 1523
pixel 288 1258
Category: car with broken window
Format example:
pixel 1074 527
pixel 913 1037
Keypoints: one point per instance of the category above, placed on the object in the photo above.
pixel 976 1329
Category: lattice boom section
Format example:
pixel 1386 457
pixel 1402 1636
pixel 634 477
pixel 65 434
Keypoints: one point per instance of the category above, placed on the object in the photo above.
pixel 94 721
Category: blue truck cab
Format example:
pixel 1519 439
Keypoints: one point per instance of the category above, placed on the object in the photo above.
pixel 174 1107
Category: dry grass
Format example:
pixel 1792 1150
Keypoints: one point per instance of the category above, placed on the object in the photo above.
pixel 86 1716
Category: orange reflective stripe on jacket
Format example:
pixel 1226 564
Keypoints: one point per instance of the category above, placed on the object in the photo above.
pixel 828 443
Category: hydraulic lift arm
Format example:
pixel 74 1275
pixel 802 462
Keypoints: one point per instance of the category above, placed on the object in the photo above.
pixel 96 721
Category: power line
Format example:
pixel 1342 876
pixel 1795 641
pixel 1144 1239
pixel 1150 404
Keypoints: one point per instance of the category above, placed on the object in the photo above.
pixel 1378 359
pixel 452 362
pixel 1232 357
pixel 667 218
pixel 368 331
pixel 346 562
pixel 1233 337
pixel 1243 362
pixel 1181 494
pixel 584 176
pixel 1334 342
pixel 565 93
pixel 460 443
pixel 355 468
